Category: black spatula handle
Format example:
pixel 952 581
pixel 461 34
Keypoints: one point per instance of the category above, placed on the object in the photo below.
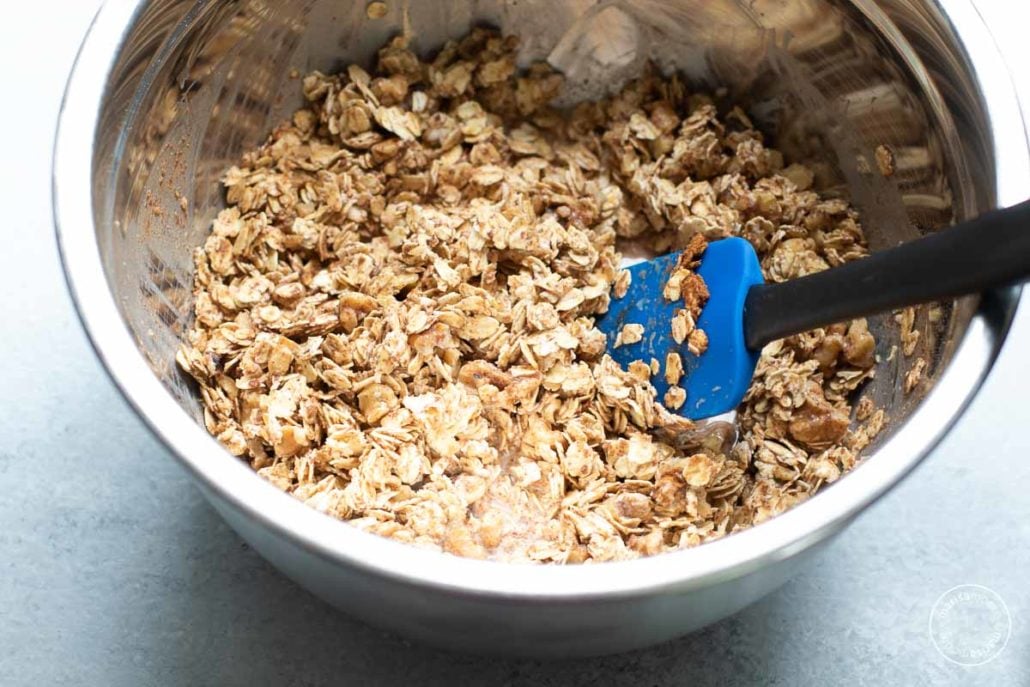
pixel 987 252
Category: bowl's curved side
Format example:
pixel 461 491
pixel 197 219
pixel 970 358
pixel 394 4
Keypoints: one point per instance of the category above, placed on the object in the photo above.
pixel 472 623
pixel 451 599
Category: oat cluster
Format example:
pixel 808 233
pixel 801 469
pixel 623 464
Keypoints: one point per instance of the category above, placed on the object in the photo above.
pixel 395 312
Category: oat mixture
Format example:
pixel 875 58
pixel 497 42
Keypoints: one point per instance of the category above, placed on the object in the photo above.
pixel 395 313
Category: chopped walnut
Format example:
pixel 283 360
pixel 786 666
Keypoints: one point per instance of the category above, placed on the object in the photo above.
pixel 816 423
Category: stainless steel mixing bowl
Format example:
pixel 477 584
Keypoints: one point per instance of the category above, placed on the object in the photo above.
pixel 166 94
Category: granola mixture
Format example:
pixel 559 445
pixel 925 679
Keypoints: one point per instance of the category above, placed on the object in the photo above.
pixel 394 314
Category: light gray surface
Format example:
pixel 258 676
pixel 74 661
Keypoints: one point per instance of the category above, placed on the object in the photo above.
pixel 114 571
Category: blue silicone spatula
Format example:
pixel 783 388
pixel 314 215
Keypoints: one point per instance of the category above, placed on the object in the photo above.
pixel 743 313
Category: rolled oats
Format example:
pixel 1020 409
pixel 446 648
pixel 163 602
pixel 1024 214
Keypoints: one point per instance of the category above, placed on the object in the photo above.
pixel 885 160
pixel 395 312
pixel 673 368
pixel 629 334
pixel 914 375
pixel 906 319
pixel 674 397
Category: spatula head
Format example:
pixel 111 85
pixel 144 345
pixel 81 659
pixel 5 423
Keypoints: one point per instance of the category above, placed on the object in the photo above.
pixel 716 380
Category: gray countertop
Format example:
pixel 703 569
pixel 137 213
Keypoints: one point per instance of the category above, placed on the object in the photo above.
pixel 114 571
